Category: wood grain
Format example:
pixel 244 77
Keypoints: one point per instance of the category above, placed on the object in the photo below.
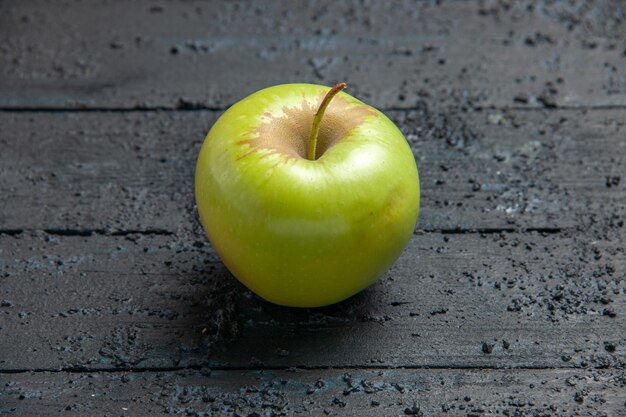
pixel 393 54
pixel 510 300
pixel 116 171
pixel 321 392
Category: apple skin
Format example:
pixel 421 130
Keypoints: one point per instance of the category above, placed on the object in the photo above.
pixel 305 233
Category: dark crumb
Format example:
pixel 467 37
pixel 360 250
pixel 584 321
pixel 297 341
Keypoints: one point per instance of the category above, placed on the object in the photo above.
pixel 610 346
pixel 521 98
pixel 487 347
pixel 579 397
pixel 612 181
pixel 441 310
pixel 413 411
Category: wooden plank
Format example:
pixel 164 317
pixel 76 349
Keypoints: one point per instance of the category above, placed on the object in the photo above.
pixel 319 392
pixel 114 171
pixel 394 54
pixel 109 171
pixel 159 302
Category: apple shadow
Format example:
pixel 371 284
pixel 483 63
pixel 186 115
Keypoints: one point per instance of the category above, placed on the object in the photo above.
pixel 217 322
pixel 270 335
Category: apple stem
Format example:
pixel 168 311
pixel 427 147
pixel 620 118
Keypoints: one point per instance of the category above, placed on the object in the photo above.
pixel 317 120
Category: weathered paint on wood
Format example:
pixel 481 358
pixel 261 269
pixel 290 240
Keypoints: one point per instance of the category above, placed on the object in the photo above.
pixel 320 392
pixel 468 300
pixel 103 266
pixel 394 54
pixel 479 170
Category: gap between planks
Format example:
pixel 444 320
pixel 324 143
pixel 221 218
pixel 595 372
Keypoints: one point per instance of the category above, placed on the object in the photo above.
pixel 88 232
pixel 83 370
pixel 162 232
pixel 195 107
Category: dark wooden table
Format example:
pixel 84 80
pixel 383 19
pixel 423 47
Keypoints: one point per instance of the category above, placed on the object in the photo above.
pixel 508 301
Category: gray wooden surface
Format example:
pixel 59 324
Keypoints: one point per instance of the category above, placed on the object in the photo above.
pixel 321 392
pixel 509 299
pixel 187 54
pixel 490 170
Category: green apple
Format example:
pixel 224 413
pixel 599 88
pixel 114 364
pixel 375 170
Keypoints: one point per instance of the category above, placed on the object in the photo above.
pixel 307 194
